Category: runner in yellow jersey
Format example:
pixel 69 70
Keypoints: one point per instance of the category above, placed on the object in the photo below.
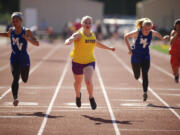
pixel 83 60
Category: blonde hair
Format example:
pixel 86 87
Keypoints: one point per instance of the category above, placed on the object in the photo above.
pixel 86 17
pixel 142 22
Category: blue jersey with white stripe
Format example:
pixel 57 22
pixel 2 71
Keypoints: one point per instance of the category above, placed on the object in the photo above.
pixel 140 49
pixel 19 48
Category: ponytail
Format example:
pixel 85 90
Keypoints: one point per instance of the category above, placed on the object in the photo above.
pixel 143 21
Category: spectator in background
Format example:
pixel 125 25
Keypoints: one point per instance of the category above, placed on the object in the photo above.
pixel 77 24
pixel 44 25
pixel 98 30
pixel 50 31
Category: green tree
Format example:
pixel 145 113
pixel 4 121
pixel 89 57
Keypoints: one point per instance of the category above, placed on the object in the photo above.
pixel 6 9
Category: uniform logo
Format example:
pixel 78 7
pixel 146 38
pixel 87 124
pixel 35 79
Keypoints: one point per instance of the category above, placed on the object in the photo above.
pixel 143 42
pixel 16 42
pixel 90 41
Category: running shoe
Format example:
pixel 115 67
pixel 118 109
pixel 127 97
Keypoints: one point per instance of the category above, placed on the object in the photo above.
pixel 176 78
pixel 145 96
pixel 15 103
pixel 78 101
pixel 93 103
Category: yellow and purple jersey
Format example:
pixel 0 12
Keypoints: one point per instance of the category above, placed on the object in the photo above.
pixel 83 51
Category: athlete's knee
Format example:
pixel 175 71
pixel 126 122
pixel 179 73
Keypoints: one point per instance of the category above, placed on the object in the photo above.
pixel 77 83
pixel 145 76
pixel 25 80
pixel 88 82
pixel 16 79
pixel 14 83
pixel 136 76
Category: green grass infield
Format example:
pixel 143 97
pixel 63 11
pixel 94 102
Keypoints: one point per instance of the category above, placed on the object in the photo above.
pixel 161 48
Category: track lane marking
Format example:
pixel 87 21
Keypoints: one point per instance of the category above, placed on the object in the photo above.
pixel 43 124
pixel 151 130
pixel 161 55
pixel 149 88
pixel 84 88
pixel 32 70
pixel 107 101
pixel 162 70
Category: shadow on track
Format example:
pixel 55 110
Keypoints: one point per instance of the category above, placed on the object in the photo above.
pixel 165 107
pixel 101 120
pixel 39 114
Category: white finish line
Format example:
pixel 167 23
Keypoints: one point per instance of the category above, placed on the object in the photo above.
pixel 134 104
pixel 22 103
pixel 73 104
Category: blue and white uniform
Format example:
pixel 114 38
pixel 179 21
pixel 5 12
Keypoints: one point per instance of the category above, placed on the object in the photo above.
pixel 140 50
pixel 19 49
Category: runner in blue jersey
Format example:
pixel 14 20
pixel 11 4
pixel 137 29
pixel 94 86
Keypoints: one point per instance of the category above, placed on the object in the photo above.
pixel 139 51
pixel 19 59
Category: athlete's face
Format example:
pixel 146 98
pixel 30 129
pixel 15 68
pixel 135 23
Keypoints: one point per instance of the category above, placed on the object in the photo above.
pixel 16 21
pixel 87 24
pixel 146 29
pixel 177 27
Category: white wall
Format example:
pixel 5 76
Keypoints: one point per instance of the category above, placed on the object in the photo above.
pixel 58 12
pixel 162 12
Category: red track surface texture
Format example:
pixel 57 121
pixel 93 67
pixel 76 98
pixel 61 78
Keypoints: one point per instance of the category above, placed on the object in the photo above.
pixel 47 101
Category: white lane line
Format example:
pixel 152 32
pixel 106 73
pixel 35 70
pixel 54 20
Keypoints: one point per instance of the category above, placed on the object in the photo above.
pixel 23 103
pixel 123 88
pixel 4 67
pixel 159 68
pixel 129 100
pixel 150 89
pixel 176 95
pixel 73 104
pixel 33 69
pixel 111 88
pixel 151 130
pixel 134 104
pixel 162 70
pixel 84 88
pixel 84 109
pixel 161 55
pixel 40 132
pixel 107 101
pixel 32 87
pixel 168 89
